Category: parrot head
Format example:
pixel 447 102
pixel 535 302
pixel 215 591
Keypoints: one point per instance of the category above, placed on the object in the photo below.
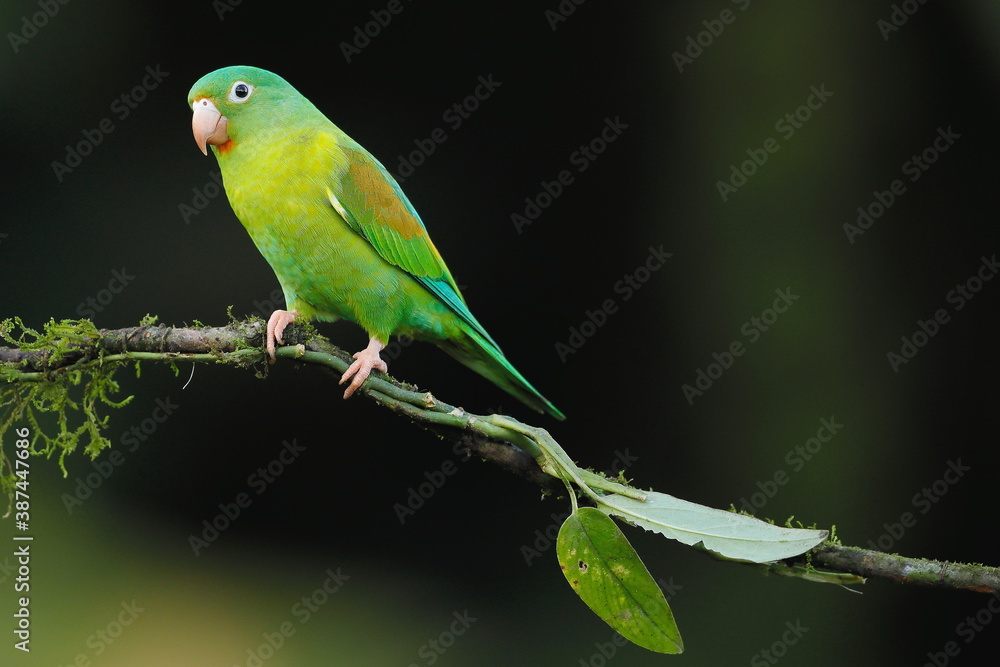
pixel 231 103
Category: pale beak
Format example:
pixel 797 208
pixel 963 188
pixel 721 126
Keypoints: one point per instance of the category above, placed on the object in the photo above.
pixel 209 126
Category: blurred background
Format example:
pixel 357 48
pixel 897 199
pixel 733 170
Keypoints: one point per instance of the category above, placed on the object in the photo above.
pixel 819 173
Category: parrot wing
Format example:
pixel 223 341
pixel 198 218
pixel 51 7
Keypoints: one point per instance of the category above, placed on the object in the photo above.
pixel 368 198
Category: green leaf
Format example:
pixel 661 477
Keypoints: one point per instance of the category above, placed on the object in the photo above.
pixel 735 536
pixel 607 574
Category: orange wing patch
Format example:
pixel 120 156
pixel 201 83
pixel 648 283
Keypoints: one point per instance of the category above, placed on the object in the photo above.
pixel 385 204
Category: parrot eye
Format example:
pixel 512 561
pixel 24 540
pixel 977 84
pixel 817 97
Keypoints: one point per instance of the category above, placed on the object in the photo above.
pixel 240 92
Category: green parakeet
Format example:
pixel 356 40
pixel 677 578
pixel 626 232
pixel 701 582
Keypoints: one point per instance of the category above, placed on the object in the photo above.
pixel 342 238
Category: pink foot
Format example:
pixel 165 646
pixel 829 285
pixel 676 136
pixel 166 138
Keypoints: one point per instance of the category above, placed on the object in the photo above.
pixel 276 327
pixel 366 360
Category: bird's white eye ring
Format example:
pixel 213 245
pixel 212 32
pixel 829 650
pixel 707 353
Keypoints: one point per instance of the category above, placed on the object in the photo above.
pixel 240 92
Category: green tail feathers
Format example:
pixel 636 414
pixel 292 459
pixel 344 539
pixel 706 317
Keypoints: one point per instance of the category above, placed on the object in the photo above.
pixel 486 359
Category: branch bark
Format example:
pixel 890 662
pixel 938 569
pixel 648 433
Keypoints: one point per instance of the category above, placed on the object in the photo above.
pixel 905 570
pixel 241 343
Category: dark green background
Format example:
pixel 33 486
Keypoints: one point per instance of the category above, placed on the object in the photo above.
pixel 655 185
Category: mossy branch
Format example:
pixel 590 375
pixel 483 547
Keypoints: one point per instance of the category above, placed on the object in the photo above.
pixel 38 369
pixel 905 570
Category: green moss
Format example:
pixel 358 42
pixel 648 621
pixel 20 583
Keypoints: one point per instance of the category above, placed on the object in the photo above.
pixel 71 397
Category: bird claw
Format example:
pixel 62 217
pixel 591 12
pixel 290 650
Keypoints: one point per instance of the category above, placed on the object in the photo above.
pixel 276 328
pixel 365 361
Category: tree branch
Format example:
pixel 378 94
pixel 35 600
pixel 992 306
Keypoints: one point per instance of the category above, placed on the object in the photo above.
pixel 905 570
pixel 240 343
